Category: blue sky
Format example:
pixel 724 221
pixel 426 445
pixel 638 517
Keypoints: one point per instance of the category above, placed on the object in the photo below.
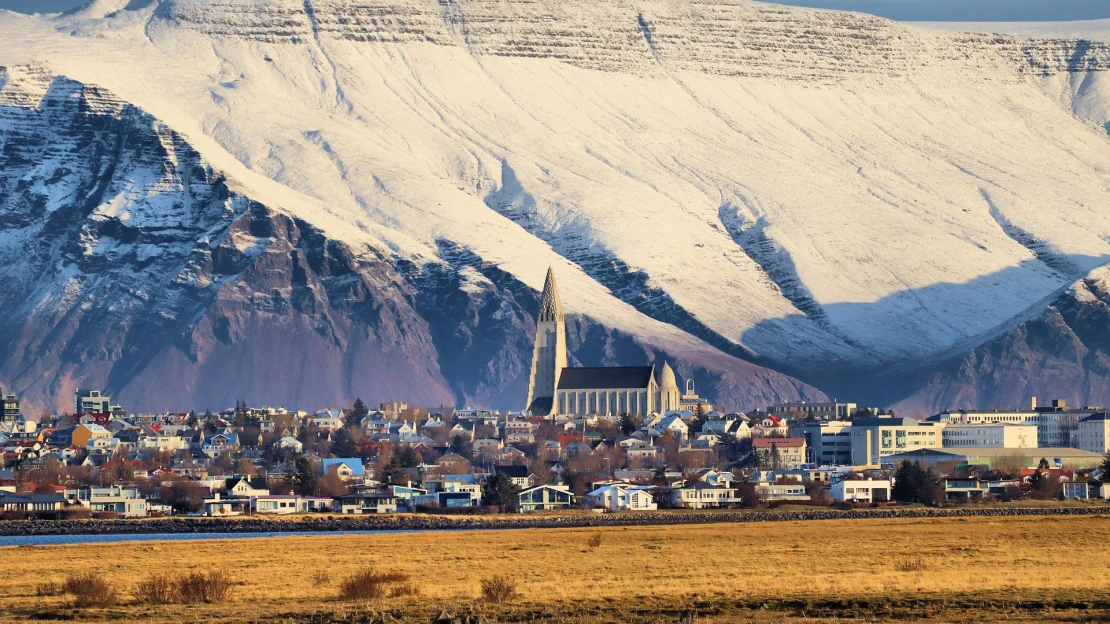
pixel 922 10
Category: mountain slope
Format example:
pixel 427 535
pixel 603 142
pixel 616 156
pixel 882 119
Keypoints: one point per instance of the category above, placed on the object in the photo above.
pixel 827 194
pixel 130 263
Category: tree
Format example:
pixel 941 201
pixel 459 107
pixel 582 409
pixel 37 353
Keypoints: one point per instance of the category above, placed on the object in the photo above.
pixel 698 420
pixel 343 443
pixel 914 484
pixel 391 472
pixel 1043 464
pixel 499 490
pixel 461 446
pixel 626 425
pixel 409 458
pixel 1105 468
pixel 303 479
pixel 191 420
pixel 359 411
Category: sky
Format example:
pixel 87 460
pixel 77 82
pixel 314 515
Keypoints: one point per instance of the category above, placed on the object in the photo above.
pixel 909 10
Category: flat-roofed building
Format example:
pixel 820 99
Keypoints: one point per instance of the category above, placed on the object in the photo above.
pixel 1029 458
pixel 819 411
pixel 1092 433
pixel 828 442
pixel 876 437
pixel 1054 422
pixel 990 435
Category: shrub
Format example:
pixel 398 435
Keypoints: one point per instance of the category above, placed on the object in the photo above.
pixel 594 541
pixel 910 564
pixel 320 577
pixel 372 585
pixel 105 515
pixel 159 589
pixel 404 589
pixel 48 589
pixel 498 589
pixel 89 589
pixel 205 587
pixel 75 512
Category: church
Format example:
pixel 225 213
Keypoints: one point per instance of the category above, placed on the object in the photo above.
pixel 555 389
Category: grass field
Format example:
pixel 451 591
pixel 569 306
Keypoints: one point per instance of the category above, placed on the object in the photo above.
pixel 958 569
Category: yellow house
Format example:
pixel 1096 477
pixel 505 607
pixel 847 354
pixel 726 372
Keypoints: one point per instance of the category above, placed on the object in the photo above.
pixel 83 433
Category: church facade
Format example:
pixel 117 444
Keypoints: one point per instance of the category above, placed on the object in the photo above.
pixel 554 389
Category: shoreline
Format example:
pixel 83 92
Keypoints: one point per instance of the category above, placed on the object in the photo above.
pixel 417 523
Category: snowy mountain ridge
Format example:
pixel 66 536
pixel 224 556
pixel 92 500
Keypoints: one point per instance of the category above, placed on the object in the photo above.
pixel 827 194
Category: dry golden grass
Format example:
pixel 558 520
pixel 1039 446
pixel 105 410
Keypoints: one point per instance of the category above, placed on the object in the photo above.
pixel 971 569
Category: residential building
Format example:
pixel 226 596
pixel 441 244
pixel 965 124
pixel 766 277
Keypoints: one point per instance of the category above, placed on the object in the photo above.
pixel 521 476
pixel 366 503
pixel 1092 433
pixel 347 468
pixel 240 486
pixel 621 497
pixel 770 492
pixel 828 442
pixel 816 411
pixel 10 501
pixel 9 407
pixel 701 495
pixel 861 491
pixel 326 420
pixel 93 402
pixel 545 498
pixel 780 452
pixel 876 437
pixel 127 502
pixel 989 435
pixel 83 433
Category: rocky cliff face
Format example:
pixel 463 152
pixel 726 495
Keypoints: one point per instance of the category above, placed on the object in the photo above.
pixel 1063 352
pixel 129 263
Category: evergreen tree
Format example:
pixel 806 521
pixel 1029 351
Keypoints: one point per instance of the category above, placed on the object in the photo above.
pixel 359 412
pixel 409 458
pixel 698 420
pixel 343 443
pixel 914 484
pixel 461 446
pixel 1105 467
pixel 500 490
pixel 1043 464
pixel 191 420
pixel 626 424
pixel 303 479
pixel 391 472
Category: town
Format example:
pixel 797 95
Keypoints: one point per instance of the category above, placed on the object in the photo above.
pixel 598 438
pixel 100 461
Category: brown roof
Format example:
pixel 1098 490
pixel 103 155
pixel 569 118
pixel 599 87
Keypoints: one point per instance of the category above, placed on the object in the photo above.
pixel 778 442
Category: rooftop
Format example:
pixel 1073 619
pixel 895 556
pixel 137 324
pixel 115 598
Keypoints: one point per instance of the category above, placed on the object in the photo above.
pixel 598 378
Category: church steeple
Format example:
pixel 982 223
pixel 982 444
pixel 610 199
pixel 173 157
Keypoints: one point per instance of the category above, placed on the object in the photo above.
pixel 549 355
pixel 551 308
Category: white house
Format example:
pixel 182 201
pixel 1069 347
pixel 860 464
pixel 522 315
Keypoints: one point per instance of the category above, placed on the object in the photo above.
pixel 619 496
pixel 327 420
pixel 291 443
pixel 702 496
pixel 861 491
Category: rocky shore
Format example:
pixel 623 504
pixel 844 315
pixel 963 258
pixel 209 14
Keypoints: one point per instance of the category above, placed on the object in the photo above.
pixel 407 522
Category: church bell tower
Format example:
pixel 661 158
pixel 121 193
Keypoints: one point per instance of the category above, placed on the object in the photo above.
pixel 549 355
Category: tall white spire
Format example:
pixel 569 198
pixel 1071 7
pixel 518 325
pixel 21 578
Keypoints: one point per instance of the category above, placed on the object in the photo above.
pixel 549 355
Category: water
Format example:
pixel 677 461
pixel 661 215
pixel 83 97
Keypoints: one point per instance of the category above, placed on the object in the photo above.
pixel 61 540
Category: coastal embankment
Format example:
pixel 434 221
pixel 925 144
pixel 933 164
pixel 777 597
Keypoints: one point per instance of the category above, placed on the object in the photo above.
pixel 419 522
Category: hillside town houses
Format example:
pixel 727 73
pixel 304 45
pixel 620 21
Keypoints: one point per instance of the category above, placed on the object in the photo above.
pixel 101 461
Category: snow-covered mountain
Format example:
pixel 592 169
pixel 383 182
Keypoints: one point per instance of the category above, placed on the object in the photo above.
pixel 307 200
